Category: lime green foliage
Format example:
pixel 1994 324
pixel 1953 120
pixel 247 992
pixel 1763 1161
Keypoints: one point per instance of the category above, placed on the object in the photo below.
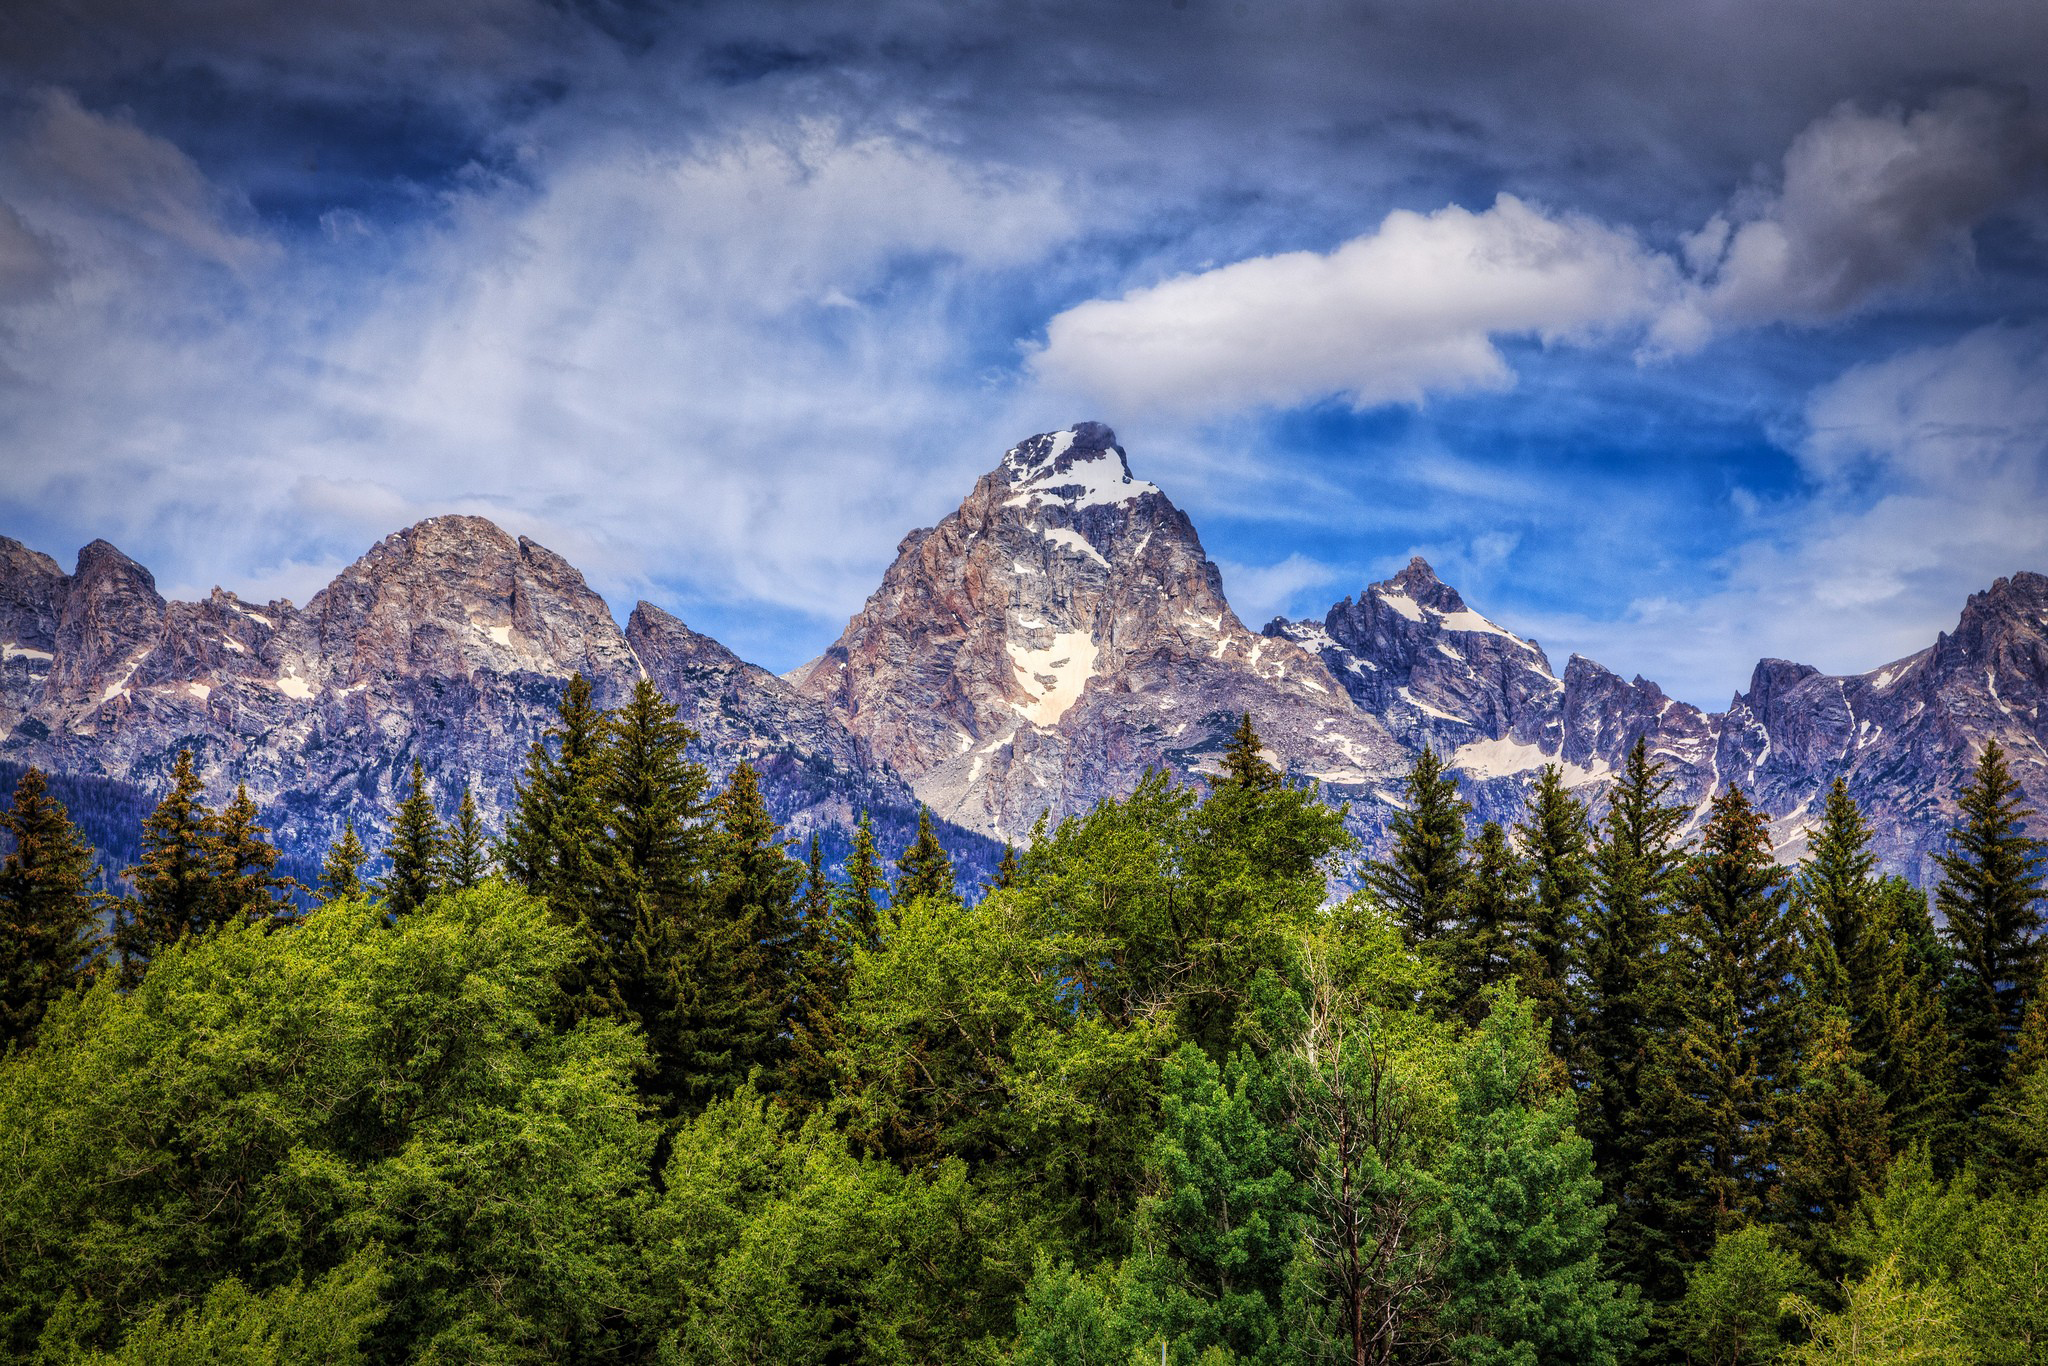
pixel 1885 1322
pixel 325 1324
pixel 779 1244
pixel 268 1106
pixel 1734 1311
pixel 1986 1253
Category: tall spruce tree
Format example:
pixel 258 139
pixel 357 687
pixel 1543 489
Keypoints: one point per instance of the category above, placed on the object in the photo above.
pixel 1623 1003
pixel 924 870
pixel 48 930
pixel 757 887
pixel 1721 1082
pixel 654 953
pixel 1487 947
pixel 247 885
pixel 1556 846
pixel 1990 896
pixel 341 871
pixel 553 843
pixel 1244 760
pixel 857 905
pixel 174 893
pixel 469 847
pixel 1421 882
pixel 1008 870
pixel 418 851
pixel 1860 963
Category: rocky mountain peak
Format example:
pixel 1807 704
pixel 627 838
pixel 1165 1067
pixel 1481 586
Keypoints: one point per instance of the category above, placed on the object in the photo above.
pixel 1059 633
pixel 1080 467
pixel 1418 583
pixel 459 594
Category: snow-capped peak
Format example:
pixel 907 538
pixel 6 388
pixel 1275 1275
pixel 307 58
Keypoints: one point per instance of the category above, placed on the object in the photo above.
pixel 1081 466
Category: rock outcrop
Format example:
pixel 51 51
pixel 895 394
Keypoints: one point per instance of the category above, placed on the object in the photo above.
pixel 1062 632
pixel 1036 651
pixel 450 642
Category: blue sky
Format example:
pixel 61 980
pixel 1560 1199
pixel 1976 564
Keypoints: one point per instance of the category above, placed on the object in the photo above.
pixel 1674 336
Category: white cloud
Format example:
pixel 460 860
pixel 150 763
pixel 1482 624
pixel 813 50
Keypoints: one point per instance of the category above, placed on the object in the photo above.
pixel 1930 480
pixel 1868 201
pixel 1258 593
pixel 645 360
pixel 1410 308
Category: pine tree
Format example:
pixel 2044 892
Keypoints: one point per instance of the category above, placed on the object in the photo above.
pixel 1486 948
pixel 418 851
pixel 553 844
pixel 1837 1142
pixel 1624 1001
pixel 1860 962
pixel 174 881
pixel 469 848
pixel 1422 882
pixel 817 902
pixel 246 884
pixel 341 872
pixel 924 870
pixel 1556 844
pixel 1723 1078
pixel 48 937
pixel 1990 895
pixel 1008 870
pixel 1244 761
pixel 857 905
pixel 655 954
pixel 756 886
pixel 814 1036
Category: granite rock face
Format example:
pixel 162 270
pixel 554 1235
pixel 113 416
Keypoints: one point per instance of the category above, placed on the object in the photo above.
pixel 1036 651
pixel 1062 632
pixel 450 642
pixel 1905 736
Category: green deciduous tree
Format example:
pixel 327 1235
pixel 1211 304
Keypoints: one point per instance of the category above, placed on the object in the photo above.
pixel 269 1106
pixel 1734 1309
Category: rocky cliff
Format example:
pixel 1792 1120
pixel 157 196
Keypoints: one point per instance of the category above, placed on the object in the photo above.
pixel 1062 632
pixel 450 642
pixel 1036 651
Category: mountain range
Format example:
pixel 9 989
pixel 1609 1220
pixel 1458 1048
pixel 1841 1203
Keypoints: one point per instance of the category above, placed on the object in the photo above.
pixel 1036 651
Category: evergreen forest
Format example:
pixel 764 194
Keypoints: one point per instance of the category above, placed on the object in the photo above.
pixel 636 1079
